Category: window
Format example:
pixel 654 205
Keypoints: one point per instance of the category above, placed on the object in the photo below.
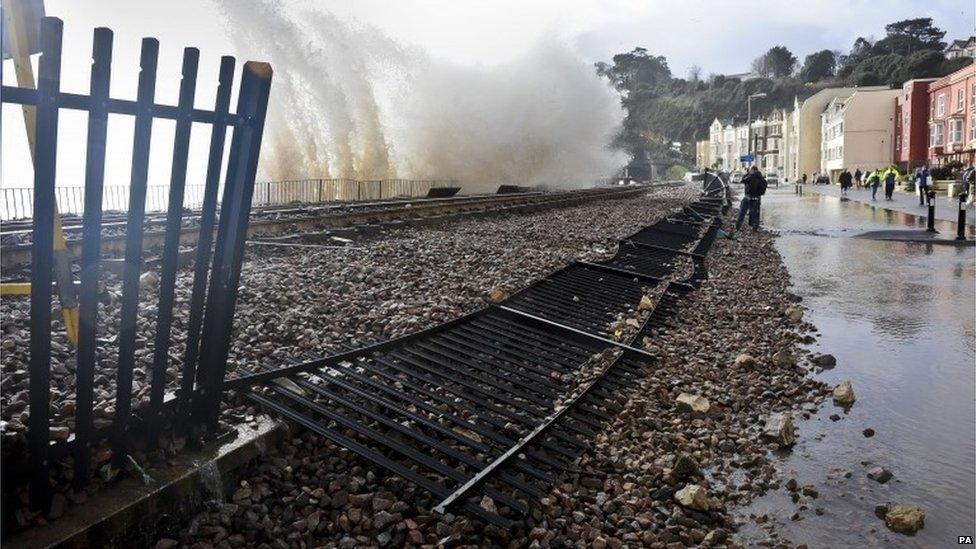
pixel 898 142
pixel 955 131
pixel 960 99
pixel 972 128
pixel 936 139
pixel 940 107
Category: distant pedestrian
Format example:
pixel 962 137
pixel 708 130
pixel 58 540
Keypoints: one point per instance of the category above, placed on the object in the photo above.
pixel 874 181
pixel 889 179
pixel 803 180
pixel 922 182
pixel 846 181
pixel 857 177
pixel 754 187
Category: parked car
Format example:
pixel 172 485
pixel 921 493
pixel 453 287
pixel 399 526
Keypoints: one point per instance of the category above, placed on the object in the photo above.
pixel 737 177
pixel 772 179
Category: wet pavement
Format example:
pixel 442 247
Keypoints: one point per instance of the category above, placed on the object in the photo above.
pixel 899 317
pixel 901 201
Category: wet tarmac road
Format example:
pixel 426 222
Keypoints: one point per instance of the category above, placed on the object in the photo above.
pixel 899 317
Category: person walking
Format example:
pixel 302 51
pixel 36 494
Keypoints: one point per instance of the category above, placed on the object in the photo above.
pixel 874 181
pixel 857 177
pixel 969 182
pixel 889 178
pixel 754 187
pixel 922 182
pixel 846 180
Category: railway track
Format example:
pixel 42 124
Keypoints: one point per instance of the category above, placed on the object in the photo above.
pixel 486 411
pixel 15 247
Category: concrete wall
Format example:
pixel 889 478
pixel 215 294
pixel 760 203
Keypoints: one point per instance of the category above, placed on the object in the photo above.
pixel 869 127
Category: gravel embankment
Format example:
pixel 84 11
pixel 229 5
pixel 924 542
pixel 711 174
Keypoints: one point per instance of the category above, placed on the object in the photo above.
pixel 295 301
pixel 626 490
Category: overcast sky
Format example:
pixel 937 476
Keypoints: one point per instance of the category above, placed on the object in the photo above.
pixel 719 36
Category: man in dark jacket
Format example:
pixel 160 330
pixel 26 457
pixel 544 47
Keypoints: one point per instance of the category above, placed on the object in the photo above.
pixel 845 181
pixel 753 188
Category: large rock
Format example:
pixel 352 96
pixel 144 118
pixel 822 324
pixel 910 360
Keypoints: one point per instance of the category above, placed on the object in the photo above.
pixel 695 404
pixel 779 428
pixel 783 358
pixel 880 474
pixel 686 466
pixel 498 294
pixel 646 304
pixel 794 314
pixel 905 519
pixel 745 361
pixel 825 361
pixel 148 280
pixel 844 393
pixel 692 496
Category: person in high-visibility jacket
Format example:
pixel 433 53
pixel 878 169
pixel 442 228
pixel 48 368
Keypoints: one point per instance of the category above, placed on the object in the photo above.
pixel 890 175
pixel 874 180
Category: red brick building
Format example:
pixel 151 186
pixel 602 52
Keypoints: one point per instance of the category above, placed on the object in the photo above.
pixel 912 124
pixel 952 118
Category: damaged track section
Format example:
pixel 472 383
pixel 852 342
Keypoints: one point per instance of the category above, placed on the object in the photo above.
pixel 484 412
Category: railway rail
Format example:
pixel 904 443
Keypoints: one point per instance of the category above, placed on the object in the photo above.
pixel 278 220
pixel 484 412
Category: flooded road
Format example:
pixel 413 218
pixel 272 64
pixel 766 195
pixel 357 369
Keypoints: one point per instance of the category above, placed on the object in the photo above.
pixel 899 317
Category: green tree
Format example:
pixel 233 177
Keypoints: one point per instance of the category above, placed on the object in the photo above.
pixel 878 69
pixel 818 66
pixel 861 50
pixel 636 71
pixel 778 62
pixel 952 65
pixel 909 36
pixel 922 64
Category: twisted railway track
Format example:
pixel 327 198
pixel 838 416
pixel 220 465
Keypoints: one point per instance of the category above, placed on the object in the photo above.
pixel 484 412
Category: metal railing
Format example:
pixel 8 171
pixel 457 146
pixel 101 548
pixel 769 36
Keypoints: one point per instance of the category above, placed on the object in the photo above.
pixel 216 275
pixel 18 202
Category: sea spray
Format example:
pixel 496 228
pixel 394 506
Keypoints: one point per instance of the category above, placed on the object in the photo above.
pixel 348 101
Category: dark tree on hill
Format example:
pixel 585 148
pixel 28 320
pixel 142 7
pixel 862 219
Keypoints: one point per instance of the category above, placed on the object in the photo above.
pixel 922 64
pixel 878 70
pixel 909 36
pixel 861 50
pixel 636 71
pixel 818 66
pixel 778 62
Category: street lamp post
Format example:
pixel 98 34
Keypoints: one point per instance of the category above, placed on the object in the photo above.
pixel 749 122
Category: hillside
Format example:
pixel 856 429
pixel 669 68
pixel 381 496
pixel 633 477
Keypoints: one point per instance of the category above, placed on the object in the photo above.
pixel 663 109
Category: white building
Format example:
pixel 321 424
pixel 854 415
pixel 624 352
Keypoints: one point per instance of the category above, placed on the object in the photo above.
pixel 803 132
pixel 725 144
pixel 961 48
pixel 857 131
